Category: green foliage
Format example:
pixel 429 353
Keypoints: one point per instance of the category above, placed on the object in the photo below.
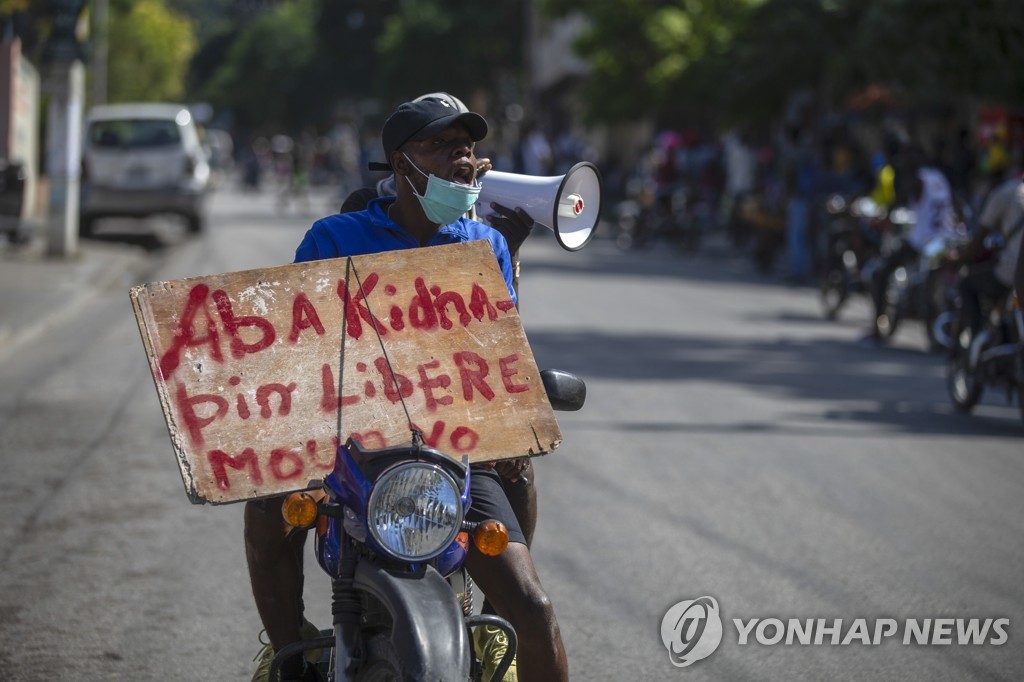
pixel 784 47
pixel 641 51
pixel 740 60
pixel 149 51
pixel 457 46
pixel 265 76
pixel 11 6
pixel 347 59
pixel 302 61
pixel 953 47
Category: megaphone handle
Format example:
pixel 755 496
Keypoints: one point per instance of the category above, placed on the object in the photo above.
pixel 513 224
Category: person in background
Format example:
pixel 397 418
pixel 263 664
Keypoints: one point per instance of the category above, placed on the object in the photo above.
pixel 1002 214
pixel 802 180
pixel 1018 279
pixel 538 157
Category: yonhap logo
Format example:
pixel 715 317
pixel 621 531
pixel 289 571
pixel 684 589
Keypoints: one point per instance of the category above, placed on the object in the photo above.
pixel 691 630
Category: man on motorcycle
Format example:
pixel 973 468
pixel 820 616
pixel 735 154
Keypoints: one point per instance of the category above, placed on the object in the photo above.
pixel 1002 214
pixel 931 200
pixel 518 475
pixel 1018 279
pixel 430 147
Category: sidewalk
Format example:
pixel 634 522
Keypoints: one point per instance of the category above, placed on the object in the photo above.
pixel 36 291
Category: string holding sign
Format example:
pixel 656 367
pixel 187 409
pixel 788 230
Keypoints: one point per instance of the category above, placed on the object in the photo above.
pixel 416 434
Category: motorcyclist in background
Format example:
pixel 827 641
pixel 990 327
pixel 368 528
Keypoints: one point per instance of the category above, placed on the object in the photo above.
pixel 1018 280
pixel 1002 214
pixel 931 200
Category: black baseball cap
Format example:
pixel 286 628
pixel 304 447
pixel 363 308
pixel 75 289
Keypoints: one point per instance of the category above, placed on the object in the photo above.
pixel 426 118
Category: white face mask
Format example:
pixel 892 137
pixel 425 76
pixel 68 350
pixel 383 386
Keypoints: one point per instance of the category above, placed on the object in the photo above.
pixel 444 201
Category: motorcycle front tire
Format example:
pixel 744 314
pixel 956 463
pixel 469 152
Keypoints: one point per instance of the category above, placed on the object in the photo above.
pixel 888 322
pixel 964 387
pixel 382 661
pixel 834 291
pixel 1020 383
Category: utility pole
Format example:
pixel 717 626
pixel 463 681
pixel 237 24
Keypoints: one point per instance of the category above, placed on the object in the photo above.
pixel 99 51
pixel 64 82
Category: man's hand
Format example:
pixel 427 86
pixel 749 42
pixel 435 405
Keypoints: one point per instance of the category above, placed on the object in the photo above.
pixel 512 469
pixel 514 225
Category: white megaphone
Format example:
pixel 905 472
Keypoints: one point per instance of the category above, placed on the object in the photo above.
pixel 568 205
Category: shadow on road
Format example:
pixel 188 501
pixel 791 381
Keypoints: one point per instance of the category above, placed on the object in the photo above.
pixel 906 389
pixel 898 388
pixel 713 264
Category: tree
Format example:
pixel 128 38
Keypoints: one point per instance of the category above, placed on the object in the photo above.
pixel 298 61
pixel 266 78
pixel 458 46
pixel 149 50
pixel 640 51
pixel 743 59
pixel 932 48
pixel 348 59
pixel 783 48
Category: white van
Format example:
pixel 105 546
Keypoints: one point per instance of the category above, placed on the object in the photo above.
pixel 140 160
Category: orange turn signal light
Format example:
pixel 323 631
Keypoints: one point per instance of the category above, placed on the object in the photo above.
pixel 491 537
pixel 299 510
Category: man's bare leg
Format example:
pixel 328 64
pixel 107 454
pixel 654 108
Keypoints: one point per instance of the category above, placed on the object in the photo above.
pixel 275 570
pixel 511 584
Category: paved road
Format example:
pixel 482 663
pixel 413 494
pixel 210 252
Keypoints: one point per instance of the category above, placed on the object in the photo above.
pixel 733 445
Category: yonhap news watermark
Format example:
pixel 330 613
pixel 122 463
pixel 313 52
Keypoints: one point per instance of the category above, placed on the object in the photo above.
pixel 693 629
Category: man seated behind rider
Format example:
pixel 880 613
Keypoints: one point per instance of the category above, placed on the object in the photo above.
pixel 422 140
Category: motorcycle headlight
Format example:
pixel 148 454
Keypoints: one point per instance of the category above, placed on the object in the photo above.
pixel 414 511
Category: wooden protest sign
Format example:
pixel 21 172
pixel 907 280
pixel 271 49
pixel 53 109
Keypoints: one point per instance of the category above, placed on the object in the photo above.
pixel 248 366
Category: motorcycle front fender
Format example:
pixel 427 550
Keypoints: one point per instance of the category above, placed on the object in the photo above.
pixel 429 633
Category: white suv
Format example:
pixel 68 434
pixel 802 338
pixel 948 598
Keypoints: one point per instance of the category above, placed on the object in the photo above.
pixel 140 160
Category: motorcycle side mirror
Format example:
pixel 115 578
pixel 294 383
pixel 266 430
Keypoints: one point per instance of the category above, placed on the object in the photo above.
pixel 566 391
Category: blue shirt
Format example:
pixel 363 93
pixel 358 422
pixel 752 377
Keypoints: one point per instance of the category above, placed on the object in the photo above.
pixel 371 231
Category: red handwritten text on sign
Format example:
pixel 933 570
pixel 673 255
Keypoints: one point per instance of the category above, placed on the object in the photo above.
pixel 249 368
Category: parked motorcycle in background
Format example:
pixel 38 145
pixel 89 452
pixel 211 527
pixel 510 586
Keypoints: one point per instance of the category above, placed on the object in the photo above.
pixel 679 216
pixel 391 534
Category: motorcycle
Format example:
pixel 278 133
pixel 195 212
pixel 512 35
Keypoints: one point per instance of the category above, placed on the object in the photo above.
pixel 676 215
pixel 390 533
pixel 853 240
pixel 921 290
pixel 993 358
